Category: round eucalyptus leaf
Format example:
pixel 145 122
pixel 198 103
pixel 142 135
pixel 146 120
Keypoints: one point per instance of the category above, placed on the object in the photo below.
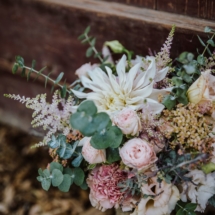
pixel 79 176
pixel 66 183
pixel 88 107
pixel 46 183
pixel 57 177
pixel 55 165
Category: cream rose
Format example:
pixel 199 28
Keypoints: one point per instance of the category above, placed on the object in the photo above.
pixel 91 154
pixel 138 154
pixel 202 89
pixel 166 197
pixel 128 121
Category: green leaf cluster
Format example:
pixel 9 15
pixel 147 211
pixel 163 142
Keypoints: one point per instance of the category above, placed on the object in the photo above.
pixel 210 42
pixel 92 51
pixel 184 208
pixel 211 201
pixel 64 150
pixel 96 125
pixel 19 63
pixel 186 72
pixel 169 166
pixel 60 177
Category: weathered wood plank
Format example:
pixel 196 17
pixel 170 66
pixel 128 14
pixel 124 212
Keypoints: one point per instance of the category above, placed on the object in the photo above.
pixel 47 31
pixel 140 3
pixel 200 8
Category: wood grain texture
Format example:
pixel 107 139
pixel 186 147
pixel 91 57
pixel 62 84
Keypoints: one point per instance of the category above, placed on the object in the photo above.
pixel 47 31
pixel 196 8
pixel 140 3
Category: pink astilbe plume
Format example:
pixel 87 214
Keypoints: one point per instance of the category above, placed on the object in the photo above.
pixel 163 57
pixel 53 117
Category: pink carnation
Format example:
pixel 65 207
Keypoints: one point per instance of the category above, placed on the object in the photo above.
pixel 103 182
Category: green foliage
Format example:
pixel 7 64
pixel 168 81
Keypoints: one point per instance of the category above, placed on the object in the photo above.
pixel 201 58
pixel 27 71
pixel 211 201
pixel 61 177
pixel 112 155
pixel 97 125
pixel 77 161
pixel 173 166
pixel 130 186
pixel 184 208
pixel 64 150
pixel 186 72
pixel 208 168
pixel 92 51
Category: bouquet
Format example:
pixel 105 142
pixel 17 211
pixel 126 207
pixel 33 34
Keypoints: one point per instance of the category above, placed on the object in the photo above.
pixel 137 131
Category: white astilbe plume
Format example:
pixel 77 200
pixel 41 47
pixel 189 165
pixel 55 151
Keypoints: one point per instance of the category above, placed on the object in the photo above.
pixel 53 117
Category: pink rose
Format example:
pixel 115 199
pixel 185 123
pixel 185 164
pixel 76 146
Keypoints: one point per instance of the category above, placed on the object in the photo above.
pixel 91 154
pixel 128 121
pixel 138 154
pixel 82 71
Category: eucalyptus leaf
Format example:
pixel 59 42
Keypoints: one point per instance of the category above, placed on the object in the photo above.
pixel 66 150
pixel 109 137
pixel 211 42
pixel 77 161
pixel 79 176
pixel 112 155
pixel 191 206
pixel 168 102
pixel 66 183
pixel 58 79
pixel 46 183
pixel 55 165
pixel 201 60
pixel 15 68
pixel 57 177
pixel 88 107
pixel 89 52
pixel 211 201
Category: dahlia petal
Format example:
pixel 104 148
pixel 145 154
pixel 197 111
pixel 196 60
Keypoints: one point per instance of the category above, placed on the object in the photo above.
pixel 160 75
pixel 144 92
pixel 131 75
pixel 154 106
pixel 79 94
pixel 120 68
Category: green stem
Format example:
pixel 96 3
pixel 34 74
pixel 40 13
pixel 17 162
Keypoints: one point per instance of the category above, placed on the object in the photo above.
pixel 207 45
pixel 50 79
pixel 94 49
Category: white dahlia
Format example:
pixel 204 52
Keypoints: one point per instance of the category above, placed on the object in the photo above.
pixel 131 89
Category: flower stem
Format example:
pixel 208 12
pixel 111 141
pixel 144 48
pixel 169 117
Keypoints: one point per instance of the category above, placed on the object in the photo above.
pixel 45 76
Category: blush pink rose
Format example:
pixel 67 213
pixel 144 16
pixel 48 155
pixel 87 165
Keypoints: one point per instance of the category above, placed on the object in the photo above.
pixel 138 154
pixel 91 154
pixel 82 71
pixel 128 121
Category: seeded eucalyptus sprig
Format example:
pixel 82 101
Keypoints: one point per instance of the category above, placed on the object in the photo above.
pixel 85 38
pixel 27 71
pixel 201 59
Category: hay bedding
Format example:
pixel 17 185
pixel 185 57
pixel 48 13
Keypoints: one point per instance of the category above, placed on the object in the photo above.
pixel 21 193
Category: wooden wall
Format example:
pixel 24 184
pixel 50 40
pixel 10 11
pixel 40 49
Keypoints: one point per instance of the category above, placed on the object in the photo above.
pixel 204 9
pixel 47 31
